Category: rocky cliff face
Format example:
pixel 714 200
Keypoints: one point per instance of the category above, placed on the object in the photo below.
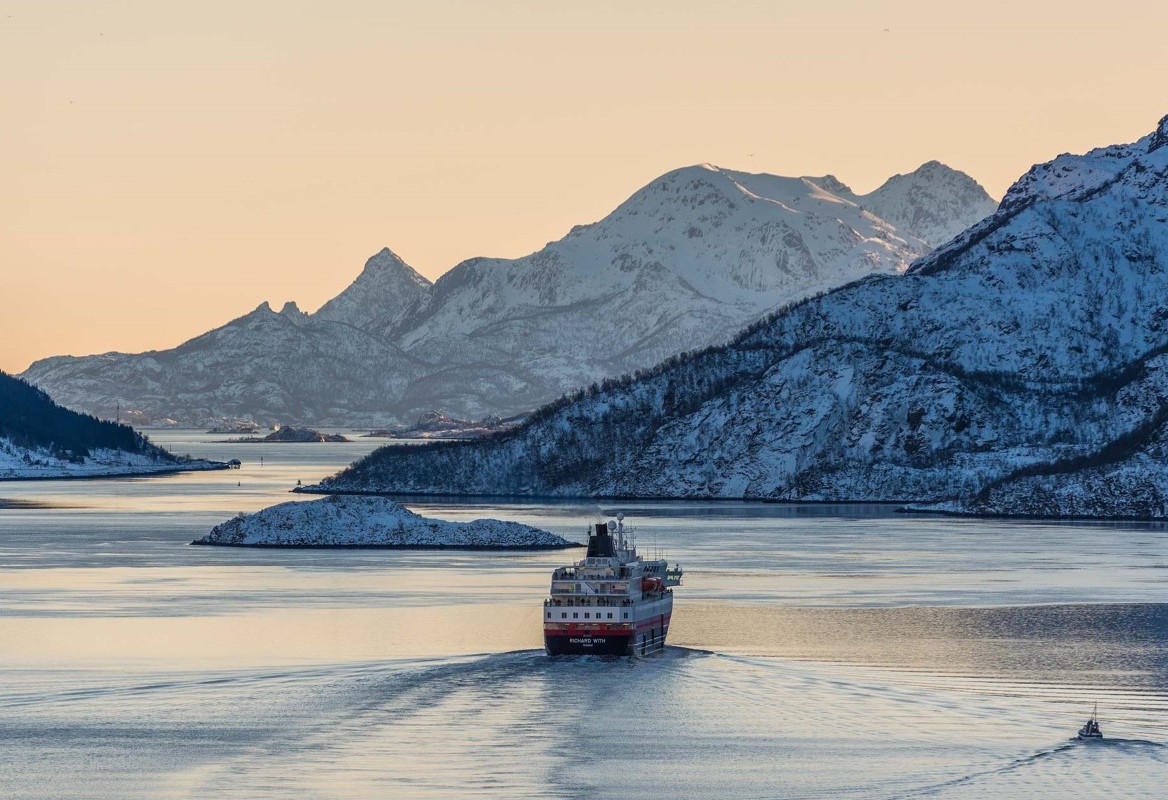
pixel 685 262
pixel 1036 337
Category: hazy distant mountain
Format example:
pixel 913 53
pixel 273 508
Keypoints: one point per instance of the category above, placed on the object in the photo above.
pixel 264 365
pixel 685 262
pixel 1021 368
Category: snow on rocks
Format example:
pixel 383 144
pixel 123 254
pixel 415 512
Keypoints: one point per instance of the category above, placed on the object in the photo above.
pixel 370 521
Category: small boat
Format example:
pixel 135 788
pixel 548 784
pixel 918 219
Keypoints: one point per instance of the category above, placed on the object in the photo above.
pixel 1090 731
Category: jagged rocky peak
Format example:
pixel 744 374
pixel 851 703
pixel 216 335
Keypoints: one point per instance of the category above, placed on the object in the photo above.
pixel 1160 137
pixel 382 295
pixel 264 311
pixel 292 312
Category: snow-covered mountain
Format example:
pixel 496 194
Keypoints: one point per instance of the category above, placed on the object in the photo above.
pixel 684 263
pixel 1035 341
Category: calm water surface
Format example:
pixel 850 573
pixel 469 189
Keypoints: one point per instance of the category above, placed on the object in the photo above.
pixel 818 651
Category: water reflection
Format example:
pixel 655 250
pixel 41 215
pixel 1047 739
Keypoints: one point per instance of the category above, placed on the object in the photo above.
pixel 818 651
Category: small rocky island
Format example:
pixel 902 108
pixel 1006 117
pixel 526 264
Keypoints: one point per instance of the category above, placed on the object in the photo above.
pixel 288 434
pixel 352 521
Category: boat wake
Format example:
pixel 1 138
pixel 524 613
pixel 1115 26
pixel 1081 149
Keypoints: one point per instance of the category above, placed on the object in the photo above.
pixel 1156 751
pixel 523 724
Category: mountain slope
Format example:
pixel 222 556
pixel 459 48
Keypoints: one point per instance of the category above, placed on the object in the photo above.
pixel 39 439
pixel 686 262
pixel 1035 336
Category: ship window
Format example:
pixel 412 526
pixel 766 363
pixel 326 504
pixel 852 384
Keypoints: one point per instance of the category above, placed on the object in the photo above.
pixel 564 615
pixel 626 615
pixel 586 615
pixel 610 615
pixel 549 615
pixel 575 615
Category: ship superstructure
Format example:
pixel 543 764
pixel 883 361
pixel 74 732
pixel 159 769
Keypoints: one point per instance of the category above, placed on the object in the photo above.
pixel 612 602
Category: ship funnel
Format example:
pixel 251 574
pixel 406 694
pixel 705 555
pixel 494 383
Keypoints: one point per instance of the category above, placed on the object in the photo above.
pixel 600 542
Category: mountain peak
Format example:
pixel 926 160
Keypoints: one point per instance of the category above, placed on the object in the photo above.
pixel 1160 137
pixel 292 311
pixel 934 201
pixel 387 262
pixel 935 167
pixel 833 185
pixel 382 294
pixel 386 259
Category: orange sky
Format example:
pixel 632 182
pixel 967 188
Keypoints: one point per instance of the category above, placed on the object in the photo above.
pixel 165 167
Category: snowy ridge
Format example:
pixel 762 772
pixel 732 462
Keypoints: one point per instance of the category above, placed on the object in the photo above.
pixel 1036 338
pixel 684 263
pixel 357 521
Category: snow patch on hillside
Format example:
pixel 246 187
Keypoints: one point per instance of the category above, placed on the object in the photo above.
pixel 18 463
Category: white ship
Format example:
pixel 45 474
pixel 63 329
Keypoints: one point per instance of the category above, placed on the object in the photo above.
pixel 612 602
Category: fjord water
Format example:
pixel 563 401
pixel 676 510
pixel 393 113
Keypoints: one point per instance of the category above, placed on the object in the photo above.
pixel 817 651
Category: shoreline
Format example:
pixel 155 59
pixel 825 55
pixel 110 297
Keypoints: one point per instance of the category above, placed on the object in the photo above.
pixel 213 466
pixel 901 506
pixel 491 547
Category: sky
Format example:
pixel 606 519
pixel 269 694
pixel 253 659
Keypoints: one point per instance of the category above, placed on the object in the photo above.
pixel 166 167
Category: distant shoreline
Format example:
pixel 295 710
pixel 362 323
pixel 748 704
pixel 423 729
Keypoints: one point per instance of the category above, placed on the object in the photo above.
pixel 211 466
pixel 499 548
pixel 905 507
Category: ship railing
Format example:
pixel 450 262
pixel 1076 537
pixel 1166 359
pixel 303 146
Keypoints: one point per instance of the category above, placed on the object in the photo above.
pixel 591 601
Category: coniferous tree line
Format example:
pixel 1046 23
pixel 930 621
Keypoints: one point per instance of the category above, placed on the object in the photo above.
pixel 29 418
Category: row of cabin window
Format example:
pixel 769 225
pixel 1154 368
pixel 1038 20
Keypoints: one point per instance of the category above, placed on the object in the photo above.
pixel 587 615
